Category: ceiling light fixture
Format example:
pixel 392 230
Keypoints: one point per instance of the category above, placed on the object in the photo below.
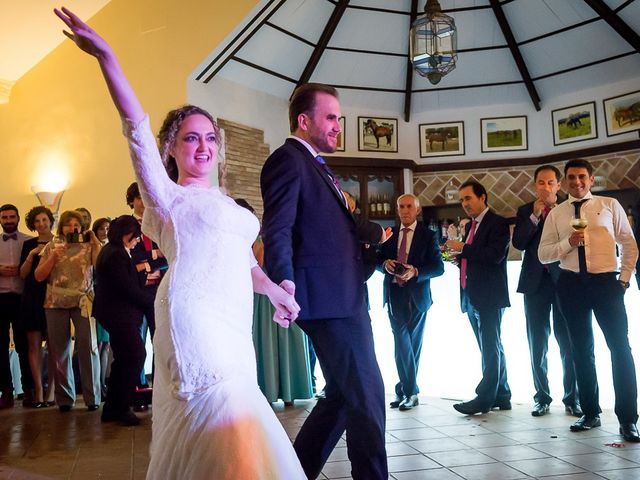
pixel 433 43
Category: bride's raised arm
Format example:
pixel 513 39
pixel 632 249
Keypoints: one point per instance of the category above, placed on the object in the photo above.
pixel 124 98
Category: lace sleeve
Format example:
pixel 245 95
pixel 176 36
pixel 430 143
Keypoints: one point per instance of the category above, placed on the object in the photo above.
pixel 156 189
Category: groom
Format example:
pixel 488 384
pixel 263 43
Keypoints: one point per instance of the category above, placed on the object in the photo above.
pixel 312 249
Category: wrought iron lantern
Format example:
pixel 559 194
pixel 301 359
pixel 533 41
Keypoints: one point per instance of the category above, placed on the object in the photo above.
pixel 433 43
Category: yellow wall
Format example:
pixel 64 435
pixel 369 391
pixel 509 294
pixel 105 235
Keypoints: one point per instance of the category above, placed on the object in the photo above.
pixel 60 118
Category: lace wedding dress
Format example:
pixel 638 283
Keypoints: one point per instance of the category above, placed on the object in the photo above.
pixel 210 420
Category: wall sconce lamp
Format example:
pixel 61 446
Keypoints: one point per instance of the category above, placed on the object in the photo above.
pixel 51 200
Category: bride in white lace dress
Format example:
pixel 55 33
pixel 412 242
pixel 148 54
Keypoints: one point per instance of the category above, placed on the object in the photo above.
pixel 210 419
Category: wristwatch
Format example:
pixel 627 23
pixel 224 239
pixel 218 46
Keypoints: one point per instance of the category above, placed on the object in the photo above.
pixel 624 284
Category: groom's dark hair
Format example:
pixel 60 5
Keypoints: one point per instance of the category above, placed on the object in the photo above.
pixel 303 100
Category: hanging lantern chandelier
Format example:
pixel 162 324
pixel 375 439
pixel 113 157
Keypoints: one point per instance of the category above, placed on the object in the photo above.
pixel 433 43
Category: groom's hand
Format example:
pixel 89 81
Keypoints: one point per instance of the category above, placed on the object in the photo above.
pixel 288 286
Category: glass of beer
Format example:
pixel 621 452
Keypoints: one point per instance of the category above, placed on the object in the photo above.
pixel 579 224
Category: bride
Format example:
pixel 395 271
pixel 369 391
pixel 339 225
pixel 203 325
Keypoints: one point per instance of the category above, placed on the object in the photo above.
pixel 210 419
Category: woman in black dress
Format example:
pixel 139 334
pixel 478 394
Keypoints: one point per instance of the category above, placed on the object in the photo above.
pixel 40 220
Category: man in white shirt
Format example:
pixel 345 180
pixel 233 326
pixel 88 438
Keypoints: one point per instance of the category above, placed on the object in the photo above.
pixel 592 282
pixel 11 286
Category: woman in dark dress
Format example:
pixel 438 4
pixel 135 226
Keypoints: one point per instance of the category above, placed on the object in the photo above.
pixel 119 307
pixel 40 220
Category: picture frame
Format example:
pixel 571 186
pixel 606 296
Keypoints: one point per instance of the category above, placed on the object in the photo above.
pixel 576 123
pixel 622 113
pixel 340 140
pixel 441 139
pixel 503 134
pixel 376 134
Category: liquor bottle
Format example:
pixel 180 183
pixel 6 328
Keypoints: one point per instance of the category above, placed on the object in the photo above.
pixel 372 207
pixel 444 230
pixel 386 206
pixel 379 206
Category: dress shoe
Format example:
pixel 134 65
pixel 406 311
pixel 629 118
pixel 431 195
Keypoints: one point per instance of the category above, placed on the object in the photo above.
pixel 471 407
pixel 573 410
pixel 93 408
pixel 408 403
pixel 630 432
pixel 585 423
pixel 540 409
pixel 38 405
pixel 502 405
pixel 125 418
pixel 140 408
pixel 396 403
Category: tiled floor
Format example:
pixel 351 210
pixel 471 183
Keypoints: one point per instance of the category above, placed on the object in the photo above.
pixel 429 442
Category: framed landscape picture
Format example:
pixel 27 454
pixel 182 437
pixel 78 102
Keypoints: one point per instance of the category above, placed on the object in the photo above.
pixel 503 134
pixel 377 134
pixel 341 137
pixel 622 113
pixel 574 124
pixel 441 139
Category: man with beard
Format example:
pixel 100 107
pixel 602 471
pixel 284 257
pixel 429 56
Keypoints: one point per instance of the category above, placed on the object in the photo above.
pixel 312 250
pixel 11 286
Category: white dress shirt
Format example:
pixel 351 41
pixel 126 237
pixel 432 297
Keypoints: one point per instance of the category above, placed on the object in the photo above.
pixel 10 251
pixel 607 226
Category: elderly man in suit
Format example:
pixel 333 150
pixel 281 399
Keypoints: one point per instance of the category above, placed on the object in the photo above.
pixel 537 283
pixel 312 250
pixel 409 260
pixel 484 294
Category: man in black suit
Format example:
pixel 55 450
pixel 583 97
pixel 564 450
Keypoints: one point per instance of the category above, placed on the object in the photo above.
pixel 538 283
pixel 312 249
pixel 409 260
pixel 484 294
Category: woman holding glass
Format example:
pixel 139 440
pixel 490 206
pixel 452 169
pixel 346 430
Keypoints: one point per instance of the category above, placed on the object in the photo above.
pixel 67 264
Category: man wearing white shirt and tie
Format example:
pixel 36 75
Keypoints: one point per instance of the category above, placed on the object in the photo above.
pixel 582 233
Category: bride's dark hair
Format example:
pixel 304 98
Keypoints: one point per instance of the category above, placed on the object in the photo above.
pixel 169 130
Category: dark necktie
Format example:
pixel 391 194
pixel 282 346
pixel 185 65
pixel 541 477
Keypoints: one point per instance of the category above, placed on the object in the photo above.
pixel 9 236
pixel 545 212
pixel 582 254
pixel 463 262
pixel 402 252
pixel 334 180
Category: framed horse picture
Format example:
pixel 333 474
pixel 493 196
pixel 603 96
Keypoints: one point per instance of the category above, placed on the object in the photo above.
pixel 503 134
pixel 622 113
pixel 377 134
pixel 441 139
pixel 574 124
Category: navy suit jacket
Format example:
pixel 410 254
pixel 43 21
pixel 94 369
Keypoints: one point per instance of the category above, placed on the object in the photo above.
pixel 526 237
pixel 487 286
pixel 309 235
pixel 424 254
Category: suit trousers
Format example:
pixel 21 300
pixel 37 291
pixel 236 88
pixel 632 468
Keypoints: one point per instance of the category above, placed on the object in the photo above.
pixel 407 325
pixel 10 318
pixel 59 335
pixel 128 359
pixel 603 295
pixel 354 398
pixel 486 324
pixel 538 307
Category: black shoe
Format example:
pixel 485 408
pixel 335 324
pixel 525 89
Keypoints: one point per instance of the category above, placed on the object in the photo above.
pixel 408 403
pixel 502 405
pixel 540 409
pixel 630 432
pixel 140 408
pixel 574 410
pixel 64 408
pixel 39 405
pixel 127 418
pixel 93 408
pixel 396 403
pixel 471 407
pixel 586 423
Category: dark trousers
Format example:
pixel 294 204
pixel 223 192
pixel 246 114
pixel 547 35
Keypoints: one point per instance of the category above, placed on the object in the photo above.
pixel 538 307
pixel 354 399
pixel 128 359
pixel 604 296
pixel 10 317
pixel 486 324
pixel 407 325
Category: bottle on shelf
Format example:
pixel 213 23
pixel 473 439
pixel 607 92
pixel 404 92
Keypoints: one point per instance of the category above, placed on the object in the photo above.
pixel 379 205
pixel 386 206
pixel 372 206
pixel 444 229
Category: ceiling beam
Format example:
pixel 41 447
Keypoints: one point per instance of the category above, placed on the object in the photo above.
pixel 327 33
pixel 515 51
pixel 615 22
pixel 409 79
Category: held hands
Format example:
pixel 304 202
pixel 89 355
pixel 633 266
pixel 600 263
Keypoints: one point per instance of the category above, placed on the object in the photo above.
pixel 83 35
pixel 282 298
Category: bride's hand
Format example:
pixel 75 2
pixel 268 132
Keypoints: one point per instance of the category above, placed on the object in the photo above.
pixel 83 35
pixel 287 308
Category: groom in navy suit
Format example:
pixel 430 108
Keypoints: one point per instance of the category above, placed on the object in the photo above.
pixel 409 260
pixel 312 250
